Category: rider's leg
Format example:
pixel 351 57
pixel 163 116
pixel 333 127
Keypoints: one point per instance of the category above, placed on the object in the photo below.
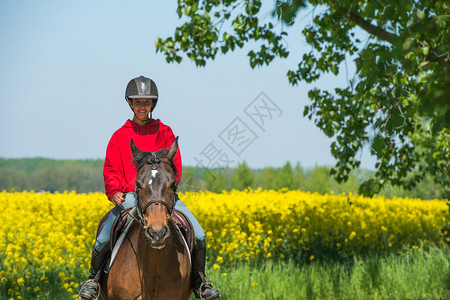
pixel 202 288
pixel 101 251
pixel 102 245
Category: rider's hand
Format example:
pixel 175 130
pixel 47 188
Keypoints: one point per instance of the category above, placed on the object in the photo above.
pixel 118 198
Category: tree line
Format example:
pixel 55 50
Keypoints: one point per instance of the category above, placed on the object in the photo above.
pixel 83 176
pixel 43 174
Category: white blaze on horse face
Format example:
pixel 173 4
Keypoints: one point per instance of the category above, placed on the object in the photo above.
pixel 154 172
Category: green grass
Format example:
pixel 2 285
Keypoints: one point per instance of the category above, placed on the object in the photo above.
pixel 415 274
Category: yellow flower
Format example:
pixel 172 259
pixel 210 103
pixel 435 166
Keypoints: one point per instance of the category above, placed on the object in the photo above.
pixel 20 281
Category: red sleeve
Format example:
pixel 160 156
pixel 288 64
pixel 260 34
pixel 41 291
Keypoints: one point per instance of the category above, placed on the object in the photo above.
pixel 177 158
pixel 112 169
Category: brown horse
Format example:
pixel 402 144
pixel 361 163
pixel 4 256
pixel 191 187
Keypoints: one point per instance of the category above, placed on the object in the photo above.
pixel 152 262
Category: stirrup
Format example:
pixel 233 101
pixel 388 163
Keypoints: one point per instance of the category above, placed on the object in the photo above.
pixel 208 283
pixel 92 290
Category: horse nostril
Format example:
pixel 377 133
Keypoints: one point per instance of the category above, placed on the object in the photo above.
pixel 151 232
pixel 164 231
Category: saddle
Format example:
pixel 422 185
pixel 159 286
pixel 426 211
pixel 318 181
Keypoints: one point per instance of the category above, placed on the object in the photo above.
pixel 185 227
pixel 119 225
pixel 179 219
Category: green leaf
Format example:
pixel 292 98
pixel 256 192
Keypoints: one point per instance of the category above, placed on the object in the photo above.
pixel 437 124
pixel 378 145
pixel 306 110
pixel 398 120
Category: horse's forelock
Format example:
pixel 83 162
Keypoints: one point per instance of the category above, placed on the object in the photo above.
pixel 144 157
pixel 140 159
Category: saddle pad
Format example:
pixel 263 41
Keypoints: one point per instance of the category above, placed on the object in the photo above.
pixel 185 227
pixel 117 246
pixel 189 251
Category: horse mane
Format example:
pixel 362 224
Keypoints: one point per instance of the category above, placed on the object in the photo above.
pixel 146 157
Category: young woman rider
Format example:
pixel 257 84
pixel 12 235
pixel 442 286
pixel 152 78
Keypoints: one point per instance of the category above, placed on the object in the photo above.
pixel 120 175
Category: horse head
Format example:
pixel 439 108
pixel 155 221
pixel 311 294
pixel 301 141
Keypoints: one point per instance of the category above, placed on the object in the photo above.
pixel 156 185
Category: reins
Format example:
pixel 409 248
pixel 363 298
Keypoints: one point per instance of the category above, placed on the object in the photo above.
pixel 131 215
pixel 158 273
pixel 141 221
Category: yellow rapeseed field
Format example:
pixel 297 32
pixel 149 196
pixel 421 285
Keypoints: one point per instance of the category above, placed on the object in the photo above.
pixel 42 233
pixel 261 224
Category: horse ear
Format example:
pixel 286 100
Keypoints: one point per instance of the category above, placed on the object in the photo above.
pixel 134 149
pixel 173 149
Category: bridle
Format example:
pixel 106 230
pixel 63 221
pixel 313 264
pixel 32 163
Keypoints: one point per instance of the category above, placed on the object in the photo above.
pixel 141 212
pixel 169 209
pixel 153 161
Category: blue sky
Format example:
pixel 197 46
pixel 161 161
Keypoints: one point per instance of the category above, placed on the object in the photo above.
pixel 64 66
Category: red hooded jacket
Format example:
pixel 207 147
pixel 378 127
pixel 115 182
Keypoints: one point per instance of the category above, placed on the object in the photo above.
pixel 119 171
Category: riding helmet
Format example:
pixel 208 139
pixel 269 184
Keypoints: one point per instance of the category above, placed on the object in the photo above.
pixel 142 87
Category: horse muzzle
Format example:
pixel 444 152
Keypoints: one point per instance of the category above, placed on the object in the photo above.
pixel 157 239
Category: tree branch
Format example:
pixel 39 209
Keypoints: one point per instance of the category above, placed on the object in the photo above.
pixel 364 24
pixel 370 28
pixel 391 37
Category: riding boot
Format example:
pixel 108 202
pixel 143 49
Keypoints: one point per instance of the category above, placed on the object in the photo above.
pixel 202 288
pixel 91 287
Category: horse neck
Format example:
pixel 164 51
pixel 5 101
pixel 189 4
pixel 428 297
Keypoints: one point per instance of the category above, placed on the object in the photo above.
pixel 155 263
